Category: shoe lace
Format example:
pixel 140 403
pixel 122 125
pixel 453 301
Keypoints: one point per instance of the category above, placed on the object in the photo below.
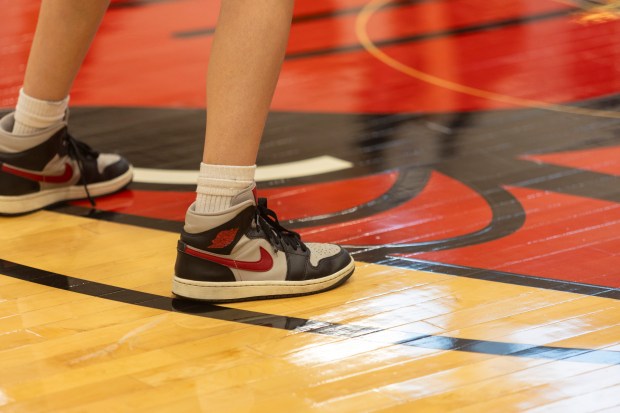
pixel 275 233
pixel 80 151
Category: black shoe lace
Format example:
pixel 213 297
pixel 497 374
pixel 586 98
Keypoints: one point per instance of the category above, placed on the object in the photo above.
pixel 80 152
pixel 276 234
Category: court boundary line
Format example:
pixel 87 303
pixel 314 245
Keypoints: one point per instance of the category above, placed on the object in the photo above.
pixel 299 325
pixel 485 274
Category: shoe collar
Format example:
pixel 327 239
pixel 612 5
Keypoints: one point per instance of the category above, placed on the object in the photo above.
pixel 10 143
pixel 195 223
pixel 248 194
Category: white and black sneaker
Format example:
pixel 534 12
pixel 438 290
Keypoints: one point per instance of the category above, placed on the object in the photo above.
pixel 55 168
pixel 243 253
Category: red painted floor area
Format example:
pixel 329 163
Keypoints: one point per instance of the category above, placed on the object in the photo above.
pixel 566 238
pixel 505 47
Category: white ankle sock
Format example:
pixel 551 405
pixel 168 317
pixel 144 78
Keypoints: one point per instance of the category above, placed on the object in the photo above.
pixel 33 114
pixel 219 184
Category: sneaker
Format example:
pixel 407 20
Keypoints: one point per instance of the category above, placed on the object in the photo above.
pixel 243 253
pixel 56 168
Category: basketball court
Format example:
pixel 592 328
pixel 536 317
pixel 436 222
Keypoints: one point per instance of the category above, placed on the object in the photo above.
pixel 466 152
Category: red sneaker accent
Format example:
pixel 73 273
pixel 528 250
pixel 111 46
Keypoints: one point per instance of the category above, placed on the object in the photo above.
pixel 38 176
pixel 264 264
pixel 224 238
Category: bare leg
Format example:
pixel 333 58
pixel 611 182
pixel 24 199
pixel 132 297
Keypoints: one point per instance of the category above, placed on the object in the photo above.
pixel 244 66
pixel 231 248
pixel 64 33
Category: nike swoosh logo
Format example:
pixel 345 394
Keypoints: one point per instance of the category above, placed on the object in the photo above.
pixel 265 262
pixel 38 176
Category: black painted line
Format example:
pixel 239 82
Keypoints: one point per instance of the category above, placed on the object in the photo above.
pixel 565 180
pixel 222 313
pixel 304 18
pixel 574 287
pixel 459 31
pixel 117 217
pixel 383 254
pixel 409 183
pixel 508 216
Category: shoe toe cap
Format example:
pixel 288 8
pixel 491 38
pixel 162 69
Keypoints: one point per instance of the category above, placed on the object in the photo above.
pixel 114 166
pixel 320 251
pixel 327 259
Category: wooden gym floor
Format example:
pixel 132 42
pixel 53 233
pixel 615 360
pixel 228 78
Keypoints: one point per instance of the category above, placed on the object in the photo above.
pixel 466 151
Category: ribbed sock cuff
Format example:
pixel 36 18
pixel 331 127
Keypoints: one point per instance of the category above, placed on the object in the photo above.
pixel 219 184
pixel 32 114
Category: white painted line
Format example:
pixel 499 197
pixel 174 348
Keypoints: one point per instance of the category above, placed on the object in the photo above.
pixel 307 167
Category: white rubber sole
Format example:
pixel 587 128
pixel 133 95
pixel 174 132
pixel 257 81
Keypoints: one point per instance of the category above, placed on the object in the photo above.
pixel 21 204
pixel 256 290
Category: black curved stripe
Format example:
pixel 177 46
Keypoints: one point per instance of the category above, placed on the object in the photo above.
pixel 110 216
pixel 508 217
pixel 410 182
pixel 196 308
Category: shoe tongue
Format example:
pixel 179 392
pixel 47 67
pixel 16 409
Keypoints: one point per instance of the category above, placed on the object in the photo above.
pixel 247 194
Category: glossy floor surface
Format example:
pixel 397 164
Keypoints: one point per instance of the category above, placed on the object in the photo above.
pixel 467 153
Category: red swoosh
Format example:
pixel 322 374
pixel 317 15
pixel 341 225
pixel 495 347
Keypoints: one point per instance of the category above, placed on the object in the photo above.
pixel 39 177
pixel 265 263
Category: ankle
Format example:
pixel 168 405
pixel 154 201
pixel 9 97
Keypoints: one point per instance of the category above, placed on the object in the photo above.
pixel 219 184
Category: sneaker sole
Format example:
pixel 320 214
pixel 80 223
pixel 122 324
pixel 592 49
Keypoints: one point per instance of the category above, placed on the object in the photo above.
pixel 13 205
pixel 257 290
